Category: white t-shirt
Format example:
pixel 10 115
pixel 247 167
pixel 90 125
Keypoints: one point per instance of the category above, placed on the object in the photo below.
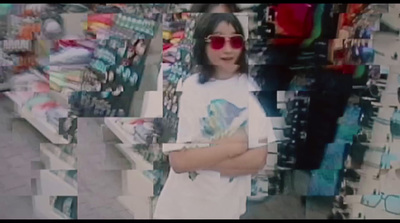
pixel 209 111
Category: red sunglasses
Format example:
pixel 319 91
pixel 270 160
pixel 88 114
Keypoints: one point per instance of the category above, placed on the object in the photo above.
pixel 218 41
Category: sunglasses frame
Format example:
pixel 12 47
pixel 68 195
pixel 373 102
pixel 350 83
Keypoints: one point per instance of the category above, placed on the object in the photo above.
pixel 208 40
pixel 382 197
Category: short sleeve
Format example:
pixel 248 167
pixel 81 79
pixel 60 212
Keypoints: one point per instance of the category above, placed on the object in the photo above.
pixel 187 122
pixel 260 129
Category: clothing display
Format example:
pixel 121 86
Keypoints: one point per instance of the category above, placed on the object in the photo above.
pixel 141 130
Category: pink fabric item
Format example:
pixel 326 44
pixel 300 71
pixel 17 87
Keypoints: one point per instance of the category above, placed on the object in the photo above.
pixel 295 19
pixel 107 19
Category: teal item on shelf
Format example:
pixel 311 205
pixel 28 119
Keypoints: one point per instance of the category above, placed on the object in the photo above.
pixel 334 156
pixel 386 160
pixel 5 9
pixel 395 124
pixel 324 183
pixel 37 100
pixel 349 125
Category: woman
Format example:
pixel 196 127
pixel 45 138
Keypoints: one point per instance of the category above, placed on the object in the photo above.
pixel 219 113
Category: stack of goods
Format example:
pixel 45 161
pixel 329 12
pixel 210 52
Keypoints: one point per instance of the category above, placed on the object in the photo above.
pixel 174 27
pixel 67 64
pixel 20 52
pixel 140 26
pixel 24 27
pixel 141 130
pixel 5 59
pixel 70 53
pixel 65 80
pixel 46 109
pixel 177 67
pixel 65 205
pixel 95 104
pixel 99 23
pixel 29 81
pixel 116 67
pixel 149 8
pixel 296 115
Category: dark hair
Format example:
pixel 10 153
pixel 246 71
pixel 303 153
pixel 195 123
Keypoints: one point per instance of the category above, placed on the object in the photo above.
pixel 204 8
pixel 205 26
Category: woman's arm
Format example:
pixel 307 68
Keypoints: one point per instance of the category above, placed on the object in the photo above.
pixel 250 162
pixel 189 160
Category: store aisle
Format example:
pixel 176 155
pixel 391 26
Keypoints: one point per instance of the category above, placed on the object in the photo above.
pixel 16 207
pixel 98 186
pixel 19 146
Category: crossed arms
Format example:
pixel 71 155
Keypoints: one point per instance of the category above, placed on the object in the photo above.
pixel 230 157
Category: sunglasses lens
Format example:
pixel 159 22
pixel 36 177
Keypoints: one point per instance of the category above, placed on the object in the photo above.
pixel 217 42
pixel 237 42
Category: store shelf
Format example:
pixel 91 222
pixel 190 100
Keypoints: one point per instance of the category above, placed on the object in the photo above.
pixel 43 210
pixel 49 131
pixel 51 184
pixel 118 131
pixel 55 163
pixel 135 158
pixel 4 86
pixel 14 98
pixel 137 184
pixel 140 207
pixel 60 97
pixel 43 127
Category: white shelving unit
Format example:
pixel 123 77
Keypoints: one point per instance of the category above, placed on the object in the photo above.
pixel 45 128
pixel 139 206
pixel 52 185
pixel 125 138
pixel 51 161
pixel 136 160
pixel 43 209
pixel 139 190
pixel 137 187
pixel 127 141
pixel 49 131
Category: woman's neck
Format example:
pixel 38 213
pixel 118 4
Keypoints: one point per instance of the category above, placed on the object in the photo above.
pixel 221 74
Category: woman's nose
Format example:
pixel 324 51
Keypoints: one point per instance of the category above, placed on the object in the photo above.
pixel 227 46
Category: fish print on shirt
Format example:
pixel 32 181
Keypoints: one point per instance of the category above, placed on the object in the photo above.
pixel 223 119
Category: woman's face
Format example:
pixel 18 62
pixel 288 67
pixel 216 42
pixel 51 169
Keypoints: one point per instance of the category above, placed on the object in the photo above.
pixel 225 59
